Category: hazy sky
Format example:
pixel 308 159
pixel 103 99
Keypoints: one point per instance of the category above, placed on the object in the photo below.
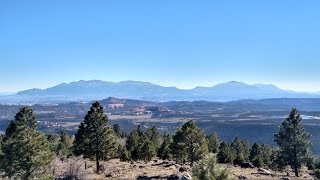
pixel 172 43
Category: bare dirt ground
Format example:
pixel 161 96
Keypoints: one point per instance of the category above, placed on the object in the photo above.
pixel 156 169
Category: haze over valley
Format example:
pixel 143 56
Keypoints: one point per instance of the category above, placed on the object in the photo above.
pixel 97 90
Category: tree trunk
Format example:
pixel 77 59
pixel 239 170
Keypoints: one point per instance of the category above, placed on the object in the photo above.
pixel 97 164
pixel 296 171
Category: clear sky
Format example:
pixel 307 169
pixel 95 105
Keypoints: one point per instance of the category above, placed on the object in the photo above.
pixel 172 43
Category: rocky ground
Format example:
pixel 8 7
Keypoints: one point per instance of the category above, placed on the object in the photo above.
pixel 156 169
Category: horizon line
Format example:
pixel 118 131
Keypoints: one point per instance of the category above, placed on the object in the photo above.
pixel 159 84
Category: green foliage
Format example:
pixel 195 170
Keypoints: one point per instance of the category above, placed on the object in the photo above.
pixel 317 173
pixel 64 148
pixel 226 153
pixel 214 143
pixel 117 130
pixel 314 163
pixel 124 154
pixel 53 141
pixel 25 151
pixel 143 146
pixel 293 141
pixel 134 144
pixel 208 169
pixel 95 139
pixel 148 150
pixel 189 143
pixel 154 136
pixel 25 118
pixel 262 155
pixel 164 151
pixel 241 149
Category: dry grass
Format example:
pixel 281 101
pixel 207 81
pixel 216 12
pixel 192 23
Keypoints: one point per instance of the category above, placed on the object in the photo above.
pixel 114 169
pixel 253 174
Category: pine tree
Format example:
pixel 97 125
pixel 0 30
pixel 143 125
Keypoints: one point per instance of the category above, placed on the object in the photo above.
pixel 134 144
pixel 154 136
pixel 226 153
pixel 53 141
pixel 64 148
pixel 261 155
pixel 293 141
pixel 143 146
pixel 148 150
pixel 164 151
pixel 117 130
pixel 123 153
pixel 189 143
pixel 241 150
pixel 95 138
pixel 214 143
pixel 25 151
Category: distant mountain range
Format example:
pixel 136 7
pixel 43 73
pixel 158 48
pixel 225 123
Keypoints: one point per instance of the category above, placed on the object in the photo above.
pixel 97 90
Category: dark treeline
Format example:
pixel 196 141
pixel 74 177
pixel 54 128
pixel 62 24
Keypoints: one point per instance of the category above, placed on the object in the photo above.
pixel 27 153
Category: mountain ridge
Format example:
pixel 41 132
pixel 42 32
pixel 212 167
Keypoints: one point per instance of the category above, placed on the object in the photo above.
pixel 98 89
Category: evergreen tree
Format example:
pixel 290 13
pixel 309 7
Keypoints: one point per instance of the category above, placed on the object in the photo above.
pixel 189 143
pixel 241 150
pixel 226 153
pixel 53 142
pixel 148 150
pixel 143 146
pixel 164 151
pixel 25 151
pixel 95 138
pixel 123 153
pixel 64 148
pixel 214 143
pixel 134 144
pixel 117 130
pixel 154 136
pixel 261 155
pixel 293 141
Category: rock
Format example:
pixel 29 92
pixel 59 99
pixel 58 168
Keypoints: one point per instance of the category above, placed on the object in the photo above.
pixel 242 178
pixel 247 165
pixel 186 176
pixel 264 171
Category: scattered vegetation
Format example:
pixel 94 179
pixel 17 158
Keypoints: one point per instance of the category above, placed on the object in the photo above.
pixel 26 153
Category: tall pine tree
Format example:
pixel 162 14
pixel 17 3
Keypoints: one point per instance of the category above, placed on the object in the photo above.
pixel 25 151
pixel 95 139
pixel 214 143
pixel 293 141
pixel 189 143
pixel 241 150
pixel 64 147
pixel 164 151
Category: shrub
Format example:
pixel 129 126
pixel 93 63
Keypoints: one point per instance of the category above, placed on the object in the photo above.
pixel 208 169
pixel 317 173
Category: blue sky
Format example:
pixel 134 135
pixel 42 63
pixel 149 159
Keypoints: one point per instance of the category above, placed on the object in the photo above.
pixel 172 43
